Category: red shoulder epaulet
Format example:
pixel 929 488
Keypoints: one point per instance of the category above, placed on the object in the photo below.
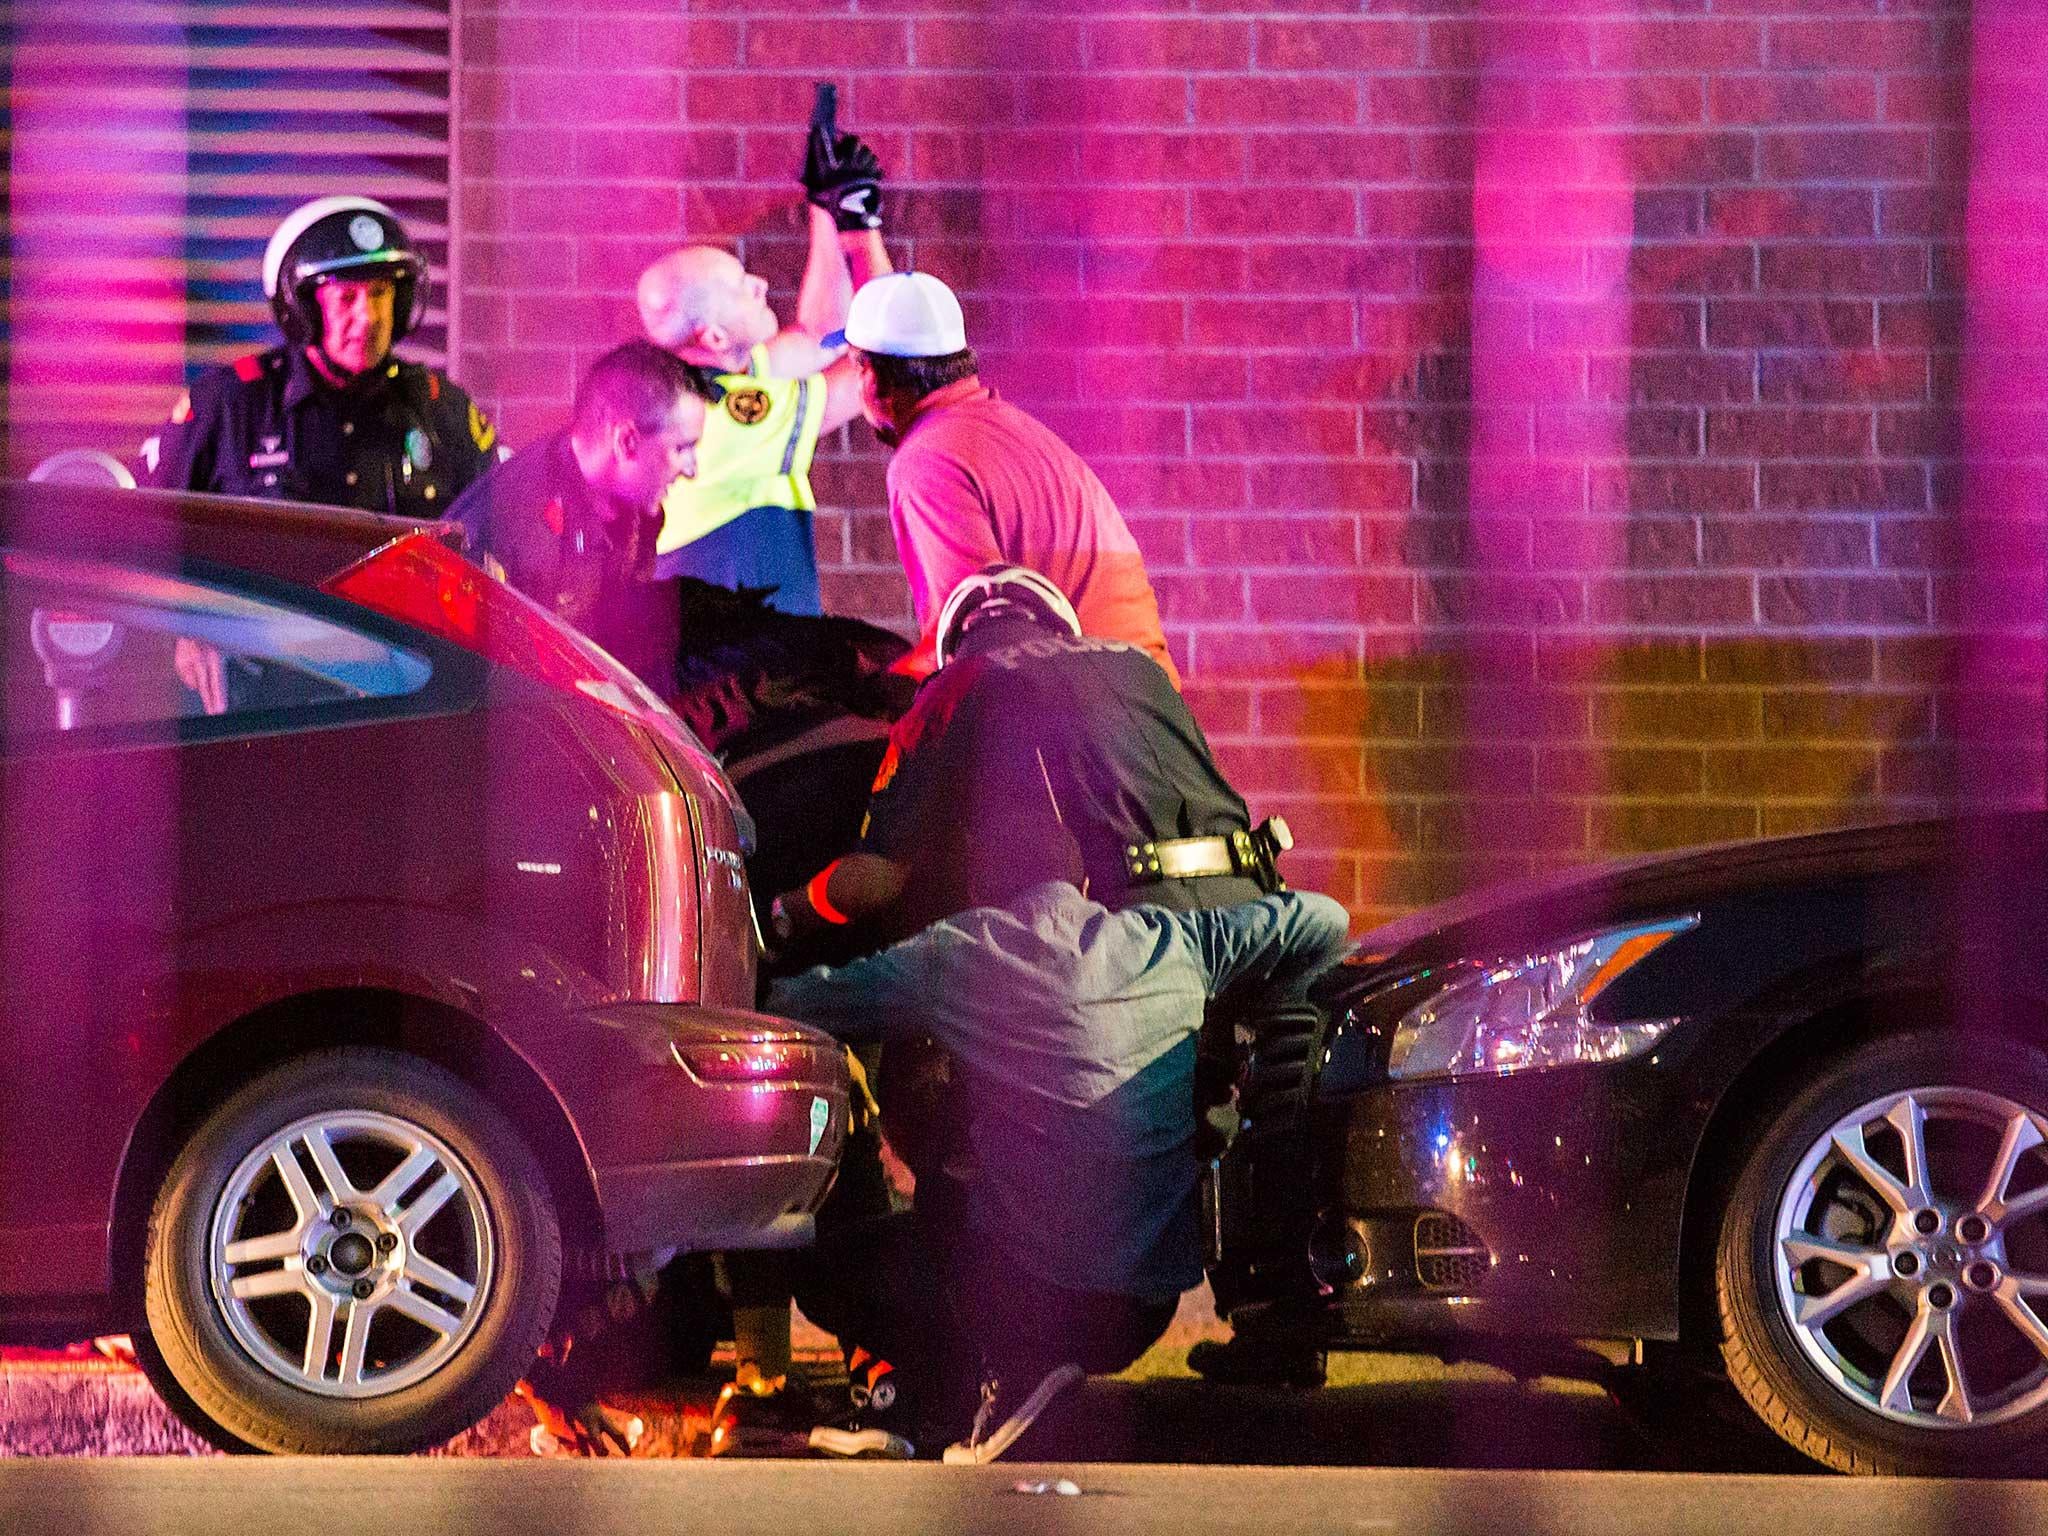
pixel 249 369
pixel 433 385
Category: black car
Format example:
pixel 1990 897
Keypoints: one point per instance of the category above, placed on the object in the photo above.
pixel 1786 1101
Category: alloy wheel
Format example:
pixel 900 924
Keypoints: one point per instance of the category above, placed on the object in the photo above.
pixel 351 1254
pixel 1910 1256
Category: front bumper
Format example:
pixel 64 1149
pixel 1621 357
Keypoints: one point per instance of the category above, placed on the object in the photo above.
pixel 682 1161
pixel 1547 1205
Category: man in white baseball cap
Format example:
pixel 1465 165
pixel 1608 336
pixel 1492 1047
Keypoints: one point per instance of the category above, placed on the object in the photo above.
pixel 975 481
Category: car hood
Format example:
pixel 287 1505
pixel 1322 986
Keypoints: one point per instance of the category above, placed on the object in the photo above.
pixel 1547 907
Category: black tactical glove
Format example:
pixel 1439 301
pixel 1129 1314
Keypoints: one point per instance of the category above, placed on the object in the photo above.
pixel 841 174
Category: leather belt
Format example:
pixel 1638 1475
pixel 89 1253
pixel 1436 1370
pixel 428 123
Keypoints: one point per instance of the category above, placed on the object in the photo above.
pixel 1249 854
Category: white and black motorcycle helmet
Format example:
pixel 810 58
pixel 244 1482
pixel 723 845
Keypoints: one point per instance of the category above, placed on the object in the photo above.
pixel 340 237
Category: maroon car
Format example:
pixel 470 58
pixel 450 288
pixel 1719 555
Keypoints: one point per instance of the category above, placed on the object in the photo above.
pixel 376 953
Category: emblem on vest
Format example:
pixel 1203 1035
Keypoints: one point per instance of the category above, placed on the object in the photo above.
pixel 747 405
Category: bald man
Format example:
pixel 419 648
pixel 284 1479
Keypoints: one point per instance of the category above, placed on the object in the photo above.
pixel 746 518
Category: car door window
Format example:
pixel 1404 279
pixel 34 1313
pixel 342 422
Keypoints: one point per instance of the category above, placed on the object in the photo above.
pixel 93 644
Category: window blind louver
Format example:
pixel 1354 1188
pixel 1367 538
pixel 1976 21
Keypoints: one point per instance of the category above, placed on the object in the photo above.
pixel 153 145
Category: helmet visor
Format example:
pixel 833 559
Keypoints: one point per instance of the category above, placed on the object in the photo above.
pixel 393 264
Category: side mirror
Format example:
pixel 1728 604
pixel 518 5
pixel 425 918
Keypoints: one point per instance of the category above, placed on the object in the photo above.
pixel 76 650
pixel 83 466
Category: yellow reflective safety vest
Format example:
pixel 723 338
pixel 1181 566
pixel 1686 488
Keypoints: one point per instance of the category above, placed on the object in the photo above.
pixel 755 452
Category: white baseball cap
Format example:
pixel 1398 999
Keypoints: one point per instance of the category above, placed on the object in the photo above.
pixel 904 314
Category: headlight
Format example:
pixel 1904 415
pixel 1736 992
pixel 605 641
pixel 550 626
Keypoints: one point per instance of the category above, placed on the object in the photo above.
pixel 1522 1015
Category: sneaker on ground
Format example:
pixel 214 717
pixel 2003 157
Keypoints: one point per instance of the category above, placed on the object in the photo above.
pixel 1004 1416
pixel 594 1431
pixel 868 1443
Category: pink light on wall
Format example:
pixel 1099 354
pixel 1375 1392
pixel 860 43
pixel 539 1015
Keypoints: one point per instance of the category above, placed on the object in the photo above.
pixel 1553 215
pixel 95 203
pixel 2001 598
pixel 96 195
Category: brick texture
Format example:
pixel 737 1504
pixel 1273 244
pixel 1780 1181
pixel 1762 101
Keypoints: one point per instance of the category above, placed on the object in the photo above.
pixel 1542 421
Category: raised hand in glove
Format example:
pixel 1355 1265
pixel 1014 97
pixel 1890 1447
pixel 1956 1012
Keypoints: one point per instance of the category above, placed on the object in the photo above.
pixel 841 174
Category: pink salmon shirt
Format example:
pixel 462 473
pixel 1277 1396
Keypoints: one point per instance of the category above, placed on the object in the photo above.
pixel 975 480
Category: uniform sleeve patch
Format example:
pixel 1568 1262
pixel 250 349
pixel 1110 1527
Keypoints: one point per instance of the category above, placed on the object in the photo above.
pixel 433 385
pixel 249 369
pixel 481 432
pixel 747 405
pixel 182 411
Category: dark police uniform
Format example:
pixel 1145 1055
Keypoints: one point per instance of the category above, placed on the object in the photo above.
pixel 401 438
pixel 585 560
pixel 1029 750
pixel 1031 736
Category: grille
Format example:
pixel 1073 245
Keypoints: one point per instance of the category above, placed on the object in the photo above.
pixel 1449 1255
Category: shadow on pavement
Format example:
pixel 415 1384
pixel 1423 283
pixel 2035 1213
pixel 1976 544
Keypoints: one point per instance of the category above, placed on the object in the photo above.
pixel 1440 1423
pixel 1411 1413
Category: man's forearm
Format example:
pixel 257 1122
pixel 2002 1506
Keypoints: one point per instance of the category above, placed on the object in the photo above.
pixel 842 394
pixel 857 1003
pixel 848 890
pixel 827 288
pixel 866 257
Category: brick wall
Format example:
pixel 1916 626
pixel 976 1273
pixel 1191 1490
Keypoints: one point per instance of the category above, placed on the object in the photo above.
pixel 1541 422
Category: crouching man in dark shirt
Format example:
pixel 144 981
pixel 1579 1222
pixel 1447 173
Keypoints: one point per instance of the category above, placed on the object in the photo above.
pixel 1065 1247
pixel 571 522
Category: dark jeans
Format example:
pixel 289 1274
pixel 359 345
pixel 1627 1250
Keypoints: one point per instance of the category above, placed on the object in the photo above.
pixel 943 1305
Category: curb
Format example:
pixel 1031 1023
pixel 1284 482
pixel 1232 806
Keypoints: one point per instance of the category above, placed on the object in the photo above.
pixel 73 1407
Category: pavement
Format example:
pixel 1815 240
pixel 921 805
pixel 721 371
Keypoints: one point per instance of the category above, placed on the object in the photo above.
pixel 1397 1443
pixel 164 1496
pixel 1379 1409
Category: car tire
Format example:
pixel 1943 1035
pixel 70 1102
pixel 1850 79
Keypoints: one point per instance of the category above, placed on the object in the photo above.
pixel 171 1392
pixel 355 1254
pixel 1847 1285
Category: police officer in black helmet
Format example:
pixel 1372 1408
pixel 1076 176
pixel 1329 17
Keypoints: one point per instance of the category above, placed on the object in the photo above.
pixel 1029 734
pixel 331 416
pixel 1035 754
